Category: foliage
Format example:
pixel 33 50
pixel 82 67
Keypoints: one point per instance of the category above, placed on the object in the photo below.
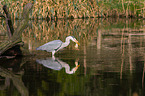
pixel 78 8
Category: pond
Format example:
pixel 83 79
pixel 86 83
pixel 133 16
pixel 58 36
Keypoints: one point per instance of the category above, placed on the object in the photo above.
pixel 110 60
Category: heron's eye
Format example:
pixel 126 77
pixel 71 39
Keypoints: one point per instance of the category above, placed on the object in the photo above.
pixel 73 37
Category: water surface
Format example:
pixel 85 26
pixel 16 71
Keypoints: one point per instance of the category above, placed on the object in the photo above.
pixel 109 61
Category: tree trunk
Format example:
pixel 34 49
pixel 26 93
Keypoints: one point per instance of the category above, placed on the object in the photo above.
pixel 15 36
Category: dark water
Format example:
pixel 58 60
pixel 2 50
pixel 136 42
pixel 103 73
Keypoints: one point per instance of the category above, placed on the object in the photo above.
pixel 110 60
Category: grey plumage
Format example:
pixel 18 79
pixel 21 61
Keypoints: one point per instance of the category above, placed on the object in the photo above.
pixel 50 46
pixel 54 46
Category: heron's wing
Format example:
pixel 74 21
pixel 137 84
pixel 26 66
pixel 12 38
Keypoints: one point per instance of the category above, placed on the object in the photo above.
pixel 50 46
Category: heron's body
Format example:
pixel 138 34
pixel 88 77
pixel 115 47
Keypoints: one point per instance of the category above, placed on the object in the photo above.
pixel 54 46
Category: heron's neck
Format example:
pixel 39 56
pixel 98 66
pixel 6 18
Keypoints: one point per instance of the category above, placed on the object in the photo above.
pixel 66 43
pixel 67 69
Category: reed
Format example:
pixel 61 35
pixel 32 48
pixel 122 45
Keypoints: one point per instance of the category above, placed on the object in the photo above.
pixel 51 9
pixel 46 31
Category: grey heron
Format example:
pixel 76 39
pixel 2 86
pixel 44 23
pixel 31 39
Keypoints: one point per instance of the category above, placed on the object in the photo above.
pixel 56 45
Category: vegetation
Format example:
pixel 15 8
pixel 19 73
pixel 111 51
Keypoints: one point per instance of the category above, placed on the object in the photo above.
pixel 14 35
pixel 52 9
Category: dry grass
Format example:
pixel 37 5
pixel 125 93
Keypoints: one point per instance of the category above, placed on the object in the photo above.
pixel 77 8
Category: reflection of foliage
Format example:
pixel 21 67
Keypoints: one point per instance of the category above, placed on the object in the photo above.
pixel 43 31
pixel 58 83
pixel 16 79
pixel 77 8
pixel 46 31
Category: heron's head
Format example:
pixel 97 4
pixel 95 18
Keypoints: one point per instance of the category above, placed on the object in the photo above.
pixel 73 39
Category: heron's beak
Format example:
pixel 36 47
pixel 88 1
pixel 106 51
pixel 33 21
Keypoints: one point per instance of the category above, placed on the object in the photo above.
pixel 77 42
pixel 76 67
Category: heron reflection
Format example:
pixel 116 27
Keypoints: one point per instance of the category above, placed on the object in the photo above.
pixel 56 64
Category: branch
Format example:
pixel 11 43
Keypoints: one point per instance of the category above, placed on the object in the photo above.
pixel 8 21
pixel 16 37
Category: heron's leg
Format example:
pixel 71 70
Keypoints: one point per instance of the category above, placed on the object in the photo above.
pixel 53 58
pixel 53 52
